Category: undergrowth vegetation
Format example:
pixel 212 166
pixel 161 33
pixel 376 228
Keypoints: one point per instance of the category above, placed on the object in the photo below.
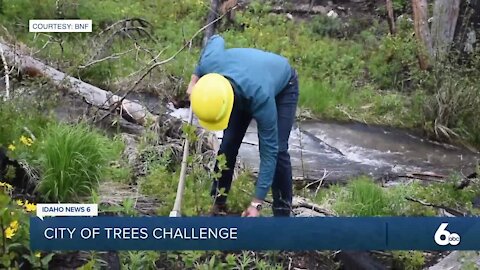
pixel 363 197
pixel 65 161
pixel 353 71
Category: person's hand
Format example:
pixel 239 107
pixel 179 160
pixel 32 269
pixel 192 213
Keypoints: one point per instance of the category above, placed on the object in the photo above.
pixel 192 83
pixel 251 212
pixel 189 91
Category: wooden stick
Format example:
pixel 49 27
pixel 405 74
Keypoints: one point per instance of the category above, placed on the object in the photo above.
pixel 446 208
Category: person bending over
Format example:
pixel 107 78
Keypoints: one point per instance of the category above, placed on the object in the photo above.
pixel 228 89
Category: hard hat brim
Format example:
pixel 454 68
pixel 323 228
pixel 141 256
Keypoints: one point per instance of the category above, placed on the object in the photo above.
pixel 222 124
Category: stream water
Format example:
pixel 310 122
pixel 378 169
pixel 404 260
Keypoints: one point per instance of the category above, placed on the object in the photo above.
pixel 342 151
pixel 339 152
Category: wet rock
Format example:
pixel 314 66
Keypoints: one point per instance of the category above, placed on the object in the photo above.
pixel 332 14
pixel 476 202
pixel 320 9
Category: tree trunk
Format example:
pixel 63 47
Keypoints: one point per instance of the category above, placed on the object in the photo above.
pixel 391 17
pixel 422 32
pixel 212 15
pixel 445 15
pixel 468 26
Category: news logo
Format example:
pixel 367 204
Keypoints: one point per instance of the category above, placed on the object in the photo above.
pixel 443 237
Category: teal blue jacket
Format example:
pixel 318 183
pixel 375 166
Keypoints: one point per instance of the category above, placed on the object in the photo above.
pixel 257 77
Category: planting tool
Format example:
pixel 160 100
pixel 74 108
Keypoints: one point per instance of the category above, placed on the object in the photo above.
pixel 210 29
pixel 177 207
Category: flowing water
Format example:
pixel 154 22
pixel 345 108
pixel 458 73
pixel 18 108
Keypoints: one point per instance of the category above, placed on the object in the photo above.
pixel 338 152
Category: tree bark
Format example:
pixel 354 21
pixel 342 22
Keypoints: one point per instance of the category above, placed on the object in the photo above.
pixel 91 94
pixel 422 32
pixel 212 15
pixel 445 15
pixel 391 17
pixel 468 27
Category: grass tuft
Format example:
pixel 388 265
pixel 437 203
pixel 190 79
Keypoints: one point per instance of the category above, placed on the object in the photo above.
pixel 362 197
pixel 73 162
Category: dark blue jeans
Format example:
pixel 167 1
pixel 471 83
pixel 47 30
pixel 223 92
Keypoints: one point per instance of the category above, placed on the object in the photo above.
pixel 282 189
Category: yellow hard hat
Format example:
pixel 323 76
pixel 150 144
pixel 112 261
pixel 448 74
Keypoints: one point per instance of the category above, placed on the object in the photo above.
pixel 212 101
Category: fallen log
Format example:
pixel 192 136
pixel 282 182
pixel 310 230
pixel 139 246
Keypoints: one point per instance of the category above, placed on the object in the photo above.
pixel 91 94
pixel 301 9
pixel 423 176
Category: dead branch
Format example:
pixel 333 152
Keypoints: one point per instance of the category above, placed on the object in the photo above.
pixel 424 177
pixel 314 208
pixel 139 30
pixel 299 202
pixel 127 26
pixel 144 23
pixel 319 181
pixel 113 56
pixel 438 206
pixel 152 67
pixel 6 72
pixel 300 9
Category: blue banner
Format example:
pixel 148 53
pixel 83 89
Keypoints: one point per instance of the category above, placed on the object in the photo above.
pixel 234 233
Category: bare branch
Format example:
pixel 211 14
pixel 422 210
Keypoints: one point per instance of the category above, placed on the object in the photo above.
pixel 113 56
pixel 445 208
pixel 325 174
pixel 152 67
pixel 141 21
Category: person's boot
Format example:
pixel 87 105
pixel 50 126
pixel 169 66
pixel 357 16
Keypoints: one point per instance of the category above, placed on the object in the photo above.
pixel 218 210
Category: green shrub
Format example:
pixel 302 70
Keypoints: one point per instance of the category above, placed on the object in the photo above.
pixel 453 106
pixel 327 27
pixel 393 65
pixel 409 260
pixel 73 161
pixel 400 5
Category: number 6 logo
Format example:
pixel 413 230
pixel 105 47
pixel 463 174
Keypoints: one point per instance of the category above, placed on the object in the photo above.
pixel 448 238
